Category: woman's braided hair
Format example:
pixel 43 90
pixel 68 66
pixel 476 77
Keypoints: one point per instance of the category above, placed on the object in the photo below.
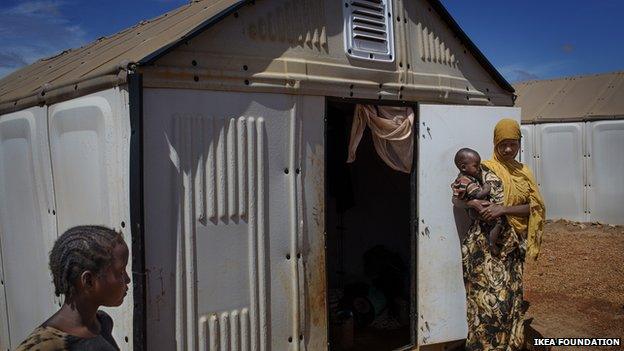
pixel 80 249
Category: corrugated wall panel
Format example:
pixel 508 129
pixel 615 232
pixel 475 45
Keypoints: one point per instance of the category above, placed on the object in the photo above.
pixel 299 48
pixel 527 147
pixel 27 225
pixel 561 167
pixel 217 184
pixel 441 294
pixel 225 331
pixel 90 150
pixel 580 184
pixel 312 238
pixel 605 169
pixel 223 214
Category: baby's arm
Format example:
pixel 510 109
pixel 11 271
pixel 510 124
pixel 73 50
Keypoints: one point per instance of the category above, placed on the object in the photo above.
pixel 484 192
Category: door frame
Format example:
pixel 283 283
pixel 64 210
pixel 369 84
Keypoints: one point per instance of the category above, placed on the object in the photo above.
pixel 413 209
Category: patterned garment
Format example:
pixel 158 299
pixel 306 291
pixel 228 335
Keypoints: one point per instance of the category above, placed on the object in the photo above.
pixel 494 294
pixel 465 187
pixel 51 339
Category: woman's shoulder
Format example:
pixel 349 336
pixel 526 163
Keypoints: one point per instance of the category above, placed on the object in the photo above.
pixel 44 339
pixel 488 175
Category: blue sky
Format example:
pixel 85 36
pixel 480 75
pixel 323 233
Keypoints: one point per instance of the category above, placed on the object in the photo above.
pixel 523 39
pixel 545 39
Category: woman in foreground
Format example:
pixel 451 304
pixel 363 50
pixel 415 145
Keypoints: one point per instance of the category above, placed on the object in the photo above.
pixel 494 292
pixel 88 265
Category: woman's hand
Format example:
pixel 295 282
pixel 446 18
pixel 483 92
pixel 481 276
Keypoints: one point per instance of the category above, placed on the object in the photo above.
pixel 478 205
pixel 492 211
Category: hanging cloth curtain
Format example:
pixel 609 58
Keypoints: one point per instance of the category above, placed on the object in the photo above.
pixel 391 128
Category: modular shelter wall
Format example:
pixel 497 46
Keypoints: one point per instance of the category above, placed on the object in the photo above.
pixel 573 137
pixel 441 227
pixel 28 226
pixel 244 71
pixel 60 166
pixel 286 45
pixel 264 71
pixel 298 47
pixel 578 166
pixel 226 204
pixel 235 218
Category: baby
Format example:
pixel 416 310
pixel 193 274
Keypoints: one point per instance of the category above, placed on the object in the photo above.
pixel 468 186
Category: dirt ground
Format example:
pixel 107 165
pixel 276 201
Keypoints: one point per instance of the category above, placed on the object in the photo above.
pixel 576 287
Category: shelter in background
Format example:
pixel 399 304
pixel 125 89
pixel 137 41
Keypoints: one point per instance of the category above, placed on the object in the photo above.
pixel 573 137
pixel 213 137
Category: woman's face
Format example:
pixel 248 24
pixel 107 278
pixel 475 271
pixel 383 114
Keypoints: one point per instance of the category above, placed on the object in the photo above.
pixel 508 149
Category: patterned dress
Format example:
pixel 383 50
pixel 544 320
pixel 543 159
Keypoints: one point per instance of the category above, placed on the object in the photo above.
pixel 46 338
pixel 493 284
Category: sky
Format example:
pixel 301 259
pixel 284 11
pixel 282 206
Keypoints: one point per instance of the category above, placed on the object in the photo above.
pixel 523 39
pixel 527 39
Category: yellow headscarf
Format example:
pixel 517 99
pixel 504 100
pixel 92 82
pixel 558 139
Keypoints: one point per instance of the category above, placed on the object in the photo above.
pixel 519 184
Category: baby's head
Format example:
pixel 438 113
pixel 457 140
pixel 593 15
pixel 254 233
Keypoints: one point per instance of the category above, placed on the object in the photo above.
pixel 468 162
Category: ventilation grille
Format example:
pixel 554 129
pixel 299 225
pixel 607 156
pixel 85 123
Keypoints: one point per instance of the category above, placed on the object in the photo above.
pixel 368 29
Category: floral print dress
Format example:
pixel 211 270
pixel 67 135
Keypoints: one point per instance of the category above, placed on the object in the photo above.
pixel 494 294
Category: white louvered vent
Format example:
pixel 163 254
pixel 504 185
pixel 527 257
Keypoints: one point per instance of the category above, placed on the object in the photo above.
pixel 368 29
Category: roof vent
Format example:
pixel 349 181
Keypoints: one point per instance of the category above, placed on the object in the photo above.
pixel 368 29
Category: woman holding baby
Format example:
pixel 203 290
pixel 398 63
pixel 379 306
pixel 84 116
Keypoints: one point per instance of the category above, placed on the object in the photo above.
pixel 494 293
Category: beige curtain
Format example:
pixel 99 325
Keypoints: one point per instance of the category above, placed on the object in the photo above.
pixel 391 128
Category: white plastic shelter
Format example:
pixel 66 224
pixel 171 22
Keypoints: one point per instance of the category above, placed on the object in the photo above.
pixel 213 137
pixel 573 132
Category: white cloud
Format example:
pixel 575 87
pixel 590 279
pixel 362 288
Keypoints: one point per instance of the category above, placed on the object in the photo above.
pixel 520 72
pixel 11 59
pixel 37 8
pixel 35 29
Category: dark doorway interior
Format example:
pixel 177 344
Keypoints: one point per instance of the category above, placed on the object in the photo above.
pixel 368 243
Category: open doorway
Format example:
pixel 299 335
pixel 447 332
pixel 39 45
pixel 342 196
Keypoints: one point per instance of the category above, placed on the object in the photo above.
pixel 369 245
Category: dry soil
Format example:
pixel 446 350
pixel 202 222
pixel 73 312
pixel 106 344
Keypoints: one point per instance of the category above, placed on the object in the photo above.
pixel 576 286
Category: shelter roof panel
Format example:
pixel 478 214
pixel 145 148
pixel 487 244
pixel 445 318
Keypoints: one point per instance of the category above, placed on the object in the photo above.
pixel 573 98
pixel 577 97
pixel 534 96
pixel 611 101
pixel 107 54
pixel 104 60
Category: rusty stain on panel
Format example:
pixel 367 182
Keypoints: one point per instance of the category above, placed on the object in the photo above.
pixel 160 297
pixel 314 260
pixel 318 287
